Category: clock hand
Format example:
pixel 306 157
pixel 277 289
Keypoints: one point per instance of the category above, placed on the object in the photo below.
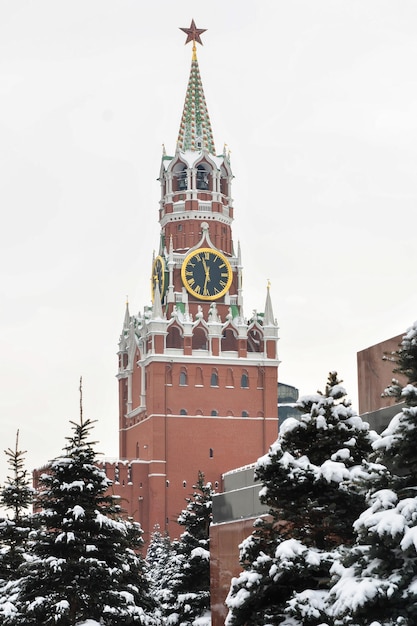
pixel 207 280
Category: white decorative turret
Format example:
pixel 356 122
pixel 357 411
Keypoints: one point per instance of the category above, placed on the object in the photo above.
pixel 268 312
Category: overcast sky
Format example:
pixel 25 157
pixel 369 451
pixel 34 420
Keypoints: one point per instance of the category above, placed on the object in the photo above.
pixel 317 102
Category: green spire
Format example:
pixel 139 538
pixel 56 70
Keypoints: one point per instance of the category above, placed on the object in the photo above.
pixel 195 130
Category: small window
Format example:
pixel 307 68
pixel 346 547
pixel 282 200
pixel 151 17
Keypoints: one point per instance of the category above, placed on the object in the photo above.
pixel 216 484
pixel 214 380
pixel 211 454
pixel 183 411
pixel 184 483
pixel 214 412
pixel 244 381
pixel 167 483
pixel 183 377
pixel 245 414
pixel 179 227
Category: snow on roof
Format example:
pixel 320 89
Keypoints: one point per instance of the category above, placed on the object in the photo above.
pixel 191 156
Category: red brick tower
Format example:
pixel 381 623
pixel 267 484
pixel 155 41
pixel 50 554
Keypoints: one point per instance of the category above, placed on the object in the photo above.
pixel 197 381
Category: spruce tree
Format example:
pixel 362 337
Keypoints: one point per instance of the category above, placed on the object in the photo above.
pixel 158 558
pixel 85 561
pixel 187 592
pixel 287 559
pixel 377 581
pixel 16 496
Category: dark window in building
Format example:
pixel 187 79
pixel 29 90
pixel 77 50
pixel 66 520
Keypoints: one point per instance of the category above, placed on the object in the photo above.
pixel 182 180
pixel 229 341
pixel 245 414
pixel 244 381
pixel 202 178
pixel 214 380
pixel 214 412
pixel 224 185
pixel 183 411
pixel 211 454
pixel 199 341
pixel 183 377
pixel 255 340
pixel 174 338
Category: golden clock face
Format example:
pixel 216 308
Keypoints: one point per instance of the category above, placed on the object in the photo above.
pixel 206 274
pixel 158 276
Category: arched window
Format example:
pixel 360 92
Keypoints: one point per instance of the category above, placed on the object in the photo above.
pixel 214 379
pixel 180 178
pixel 211 453
pixel 244 380
pixel 224 183
pixel 198 377
pixel 255 340
pixel 229 341
pixel 183 377
pixel 199 341
pixel 245 414
pixel 214 412
pixel 174 338
pixel 183 411
pixel 202 177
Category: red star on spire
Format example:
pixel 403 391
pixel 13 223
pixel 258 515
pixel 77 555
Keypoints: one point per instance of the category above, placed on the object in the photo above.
pixel 193 33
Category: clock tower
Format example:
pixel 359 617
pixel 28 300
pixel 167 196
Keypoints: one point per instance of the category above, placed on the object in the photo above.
pixel 197 380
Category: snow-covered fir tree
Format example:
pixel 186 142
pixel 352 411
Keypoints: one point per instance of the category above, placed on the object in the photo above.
pixel 85 562
pixel 158 558
pixel 186 585
pixel 16 497
pixel 287 559
pixel 377 582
